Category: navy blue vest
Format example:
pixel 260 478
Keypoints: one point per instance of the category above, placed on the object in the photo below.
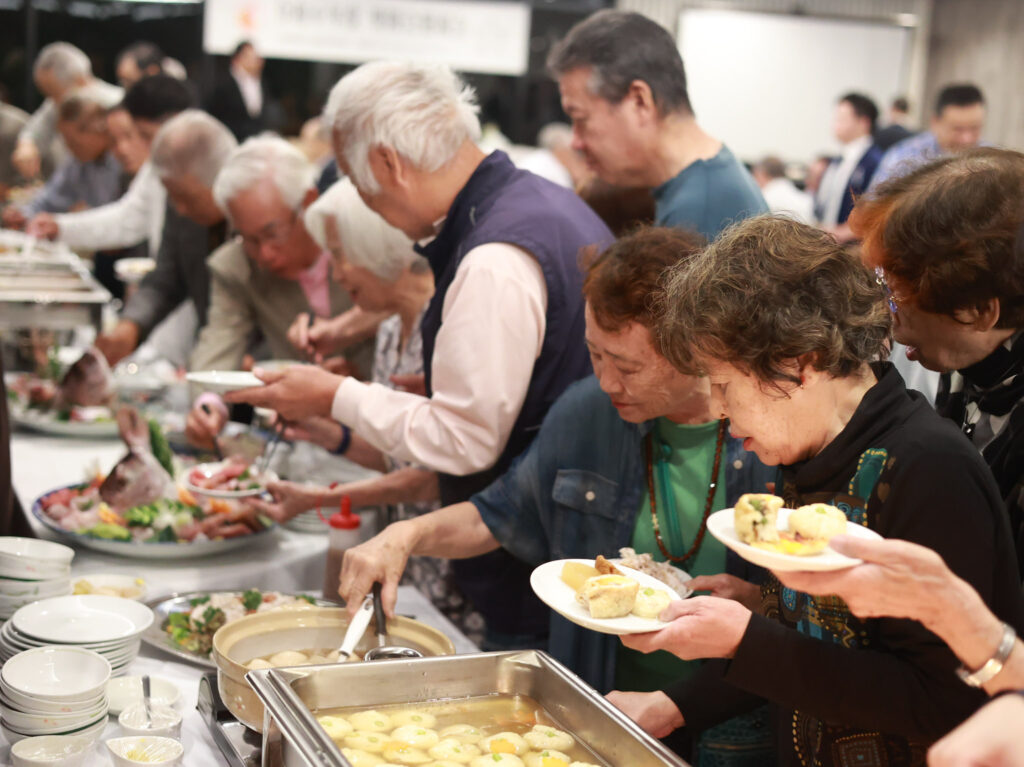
pixel 502 204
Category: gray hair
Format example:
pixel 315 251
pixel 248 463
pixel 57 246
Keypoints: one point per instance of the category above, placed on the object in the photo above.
pixel 621 47
pixel 366 239
pixel 192 143
pixel 88 99
pixel 422 111
pixel 260 157
pixel 64 61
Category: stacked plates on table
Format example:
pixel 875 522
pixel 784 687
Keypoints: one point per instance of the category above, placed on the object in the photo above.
pixel 31 570
pixel 54 691
pixel 308 522
pixel 109 626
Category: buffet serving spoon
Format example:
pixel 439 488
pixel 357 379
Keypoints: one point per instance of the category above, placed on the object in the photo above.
pixel 384 651
pixel 356 628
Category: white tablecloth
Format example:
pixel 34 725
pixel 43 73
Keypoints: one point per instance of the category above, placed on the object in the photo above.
pixel 286 561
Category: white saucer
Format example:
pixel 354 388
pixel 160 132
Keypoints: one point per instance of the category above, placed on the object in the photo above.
pixel 222 381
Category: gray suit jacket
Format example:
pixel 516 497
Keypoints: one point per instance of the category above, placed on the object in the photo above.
pixel 180 272
pixel 248 302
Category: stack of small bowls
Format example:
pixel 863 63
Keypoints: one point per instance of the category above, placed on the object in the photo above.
pixel 31 570
pixel 54 691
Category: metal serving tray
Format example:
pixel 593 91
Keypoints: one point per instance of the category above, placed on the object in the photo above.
pixel 293 738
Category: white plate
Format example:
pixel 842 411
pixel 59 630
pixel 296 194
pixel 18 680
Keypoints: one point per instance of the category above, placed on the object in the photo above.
pixel 34 552
pixel 132 270
pixel 127 690
pixel 720 525
pixel 221 381
pixel 114 580
pixel 46 423
pixel 547 583
pixel 209 469
pixel 83 619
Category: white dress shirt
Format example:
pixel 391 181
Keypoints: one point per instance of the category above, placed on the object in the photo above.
pixel 493 325
pixel 252 91
pixel 138 215
pixel 837 178
pixel 784 198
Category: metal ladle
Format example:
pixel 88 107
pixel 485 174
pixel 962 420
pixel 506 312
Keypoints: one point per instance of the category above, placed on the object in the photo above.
pixel 384 651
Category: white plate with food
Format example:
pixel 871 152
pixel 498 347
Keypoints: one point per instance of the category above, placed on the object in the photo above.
pixel 574 590
pixel 81 422
pixel 786 540
pixel 230 478
pixel 110 585
pixel 221 381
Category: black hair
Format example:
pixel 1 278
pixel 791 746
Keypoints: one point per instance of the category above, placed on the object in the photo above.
pixel 145 54
pixel 863 106
pixel 158 97
pixel 959 95
pixel 622 47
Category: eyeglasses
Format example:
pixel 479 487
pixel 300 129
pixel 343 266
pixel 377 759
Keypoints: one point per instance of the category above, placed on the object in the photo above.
pixel 894 307
pixel 274 233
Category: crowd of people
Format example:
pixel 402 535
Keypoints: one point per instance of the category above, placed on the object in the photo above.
pixel 545 369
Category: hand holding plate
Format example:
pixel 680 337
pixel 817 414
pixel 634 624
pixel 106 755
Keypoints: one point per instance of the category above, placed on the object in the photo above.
pixel 699 627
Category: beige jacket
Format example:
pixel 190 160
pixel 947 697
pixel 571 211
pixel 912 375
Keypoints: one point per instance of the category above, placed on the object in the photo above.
pixel 248 303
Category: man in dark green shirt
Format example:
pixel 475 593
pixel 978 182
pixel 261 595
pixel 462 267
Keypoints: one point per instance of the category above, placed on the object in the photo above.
pixel 624 88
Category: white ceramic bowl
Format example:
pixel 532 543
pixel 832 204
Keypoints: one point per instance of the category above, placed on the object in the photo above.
pixel 164 722
pixel 127 690
pixel 63 728
pixel 35 550
pixel 61 674
pixel 37 572
pixel 26 721
pixel 83 619
pixel 11 588
pixel 162 752
pixel 89 733
pixel 111 584
pixel 15 700
pixel 50 751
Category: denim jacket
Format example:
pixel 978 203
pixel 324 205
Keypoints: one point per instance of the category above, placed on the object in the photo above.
pixel 576 492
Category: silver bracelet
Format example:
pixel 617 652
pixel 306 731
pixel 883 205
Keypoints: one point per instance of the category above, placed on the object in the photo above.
pixel 993 665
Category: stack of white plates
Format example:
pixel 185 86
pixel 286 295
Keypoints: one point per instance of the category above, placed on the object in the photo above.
pixel 30 570
pixel 308 522
pixel 109 626
pixel 54 691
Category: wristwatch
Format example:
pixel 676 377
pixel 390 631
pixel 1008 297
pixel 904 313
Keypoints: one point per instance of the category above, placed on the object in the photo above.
pixel 993 665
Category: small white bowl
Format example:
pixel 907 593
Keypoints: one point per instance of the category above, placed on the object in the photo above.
pixel 34 572
pixel 161 752
pixel 24 703
pixel 111 584
pixel 26 721
pixel 124 691
pixel 12 588
pixel 88 733
pixel 165 721
pixel 50 751
pixel 66 728
pixel 35 551
pixel 57 674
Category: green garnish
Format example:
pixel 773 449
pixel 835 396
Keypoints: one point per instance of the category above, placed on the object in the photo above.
pixel 178 620
pixel 160 447
pixel 757 504
pixel 308 598
pixel 199 601
pixel 252 599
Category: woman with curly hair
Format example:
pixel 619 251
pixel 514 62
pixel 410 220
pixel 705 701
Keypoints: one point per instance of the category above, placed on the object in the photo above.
pixel 790 329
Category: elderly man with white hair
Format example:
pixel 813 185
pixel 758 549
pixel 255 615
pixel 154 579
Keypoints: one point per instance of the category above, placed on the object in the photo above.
pixel 59 69
pixel 269 274
pixel 187 154
pixel 503 334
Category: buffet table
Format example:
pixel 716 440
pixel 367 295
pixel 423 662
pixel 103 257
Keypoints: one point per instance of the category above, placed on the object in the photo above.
pixel 282 561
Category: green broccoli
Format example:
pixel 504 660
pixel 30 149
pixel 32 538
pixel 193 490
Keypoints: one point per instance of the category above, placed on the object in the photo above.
pixel 141 516
pixel 108 531
pixel 252 599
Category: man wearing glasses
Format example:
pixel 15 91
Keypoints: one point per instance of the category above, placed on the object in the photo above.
pixel 268 275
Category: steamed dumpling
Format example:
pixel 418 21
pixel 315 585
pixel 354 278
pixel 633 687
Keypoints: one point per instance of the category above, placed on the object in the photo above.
pixel 359 758
pixel 415 735
pixel 650 602
pixel 466 733
pixel 289 658
pixel 818 520
pixel 505 743
pixel 542 737
pixel 367 741
pixel 336 727
pixel 445 763
pixel 454 750
pixel 546 758
pixel 582 764
pixel 371 721
pixel 403 753
pixel 419 718
pixel 489 760
pixel 258 663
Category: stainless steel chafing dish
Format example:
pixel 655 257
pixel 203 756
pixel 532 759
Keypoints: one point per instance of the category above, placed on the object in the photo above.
pixel 293 738
pixel 45 285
